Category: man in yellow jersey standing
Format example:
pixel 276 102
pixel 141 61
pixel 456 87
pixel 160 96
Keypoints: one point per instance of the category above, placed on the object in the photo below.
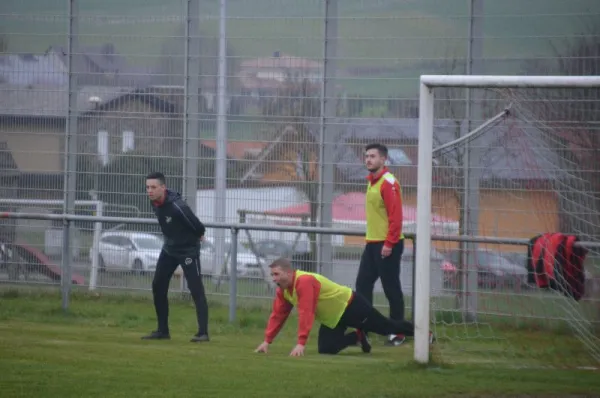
pixel 335 306
pixel 384 238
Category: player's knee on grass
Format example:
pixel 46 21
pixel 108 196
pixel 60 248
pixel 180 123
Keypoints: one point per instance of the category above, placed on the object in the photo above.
pixel 328 350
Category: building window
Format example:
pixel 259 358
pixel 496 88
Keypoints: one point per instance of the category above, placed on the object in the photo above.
pixel 300 166
pixel 397 157
pixel 103 152
pixel 128 141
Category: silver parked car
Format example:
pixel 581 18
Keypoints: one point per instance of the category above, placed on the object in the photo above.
pixel 128 250
pixel 247 264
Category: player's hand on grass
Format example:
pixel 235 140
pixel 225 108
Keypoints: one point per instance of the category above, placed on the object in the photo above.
pixel 263 347
pixel 298 351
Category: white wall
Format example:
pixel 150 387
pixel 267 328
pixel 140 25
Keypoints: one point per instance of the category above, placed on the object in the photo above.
pixel 255 199
pixel 265 199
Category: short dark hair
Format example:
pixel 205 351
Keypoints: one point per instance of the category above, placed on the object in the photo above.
pixel 282 263
pixel 157 175
pixel 382 149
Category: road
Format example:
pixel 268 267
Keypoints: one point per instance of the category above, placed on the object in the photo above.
pixel 344 272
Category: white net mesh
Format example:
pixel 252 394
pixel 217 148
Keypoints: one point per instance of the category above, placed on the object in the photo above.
pixel 529 165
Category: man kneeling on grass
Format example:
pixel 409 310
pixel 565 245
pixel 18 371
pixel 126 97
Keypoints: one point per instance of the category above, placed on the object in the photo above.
pixel 335 306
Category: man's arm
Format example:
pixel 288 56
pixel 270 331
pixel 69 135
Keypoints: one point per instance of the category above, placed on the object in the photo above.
pixel 190 218
pixel 392 198
pixel 279 314
pixel 307 289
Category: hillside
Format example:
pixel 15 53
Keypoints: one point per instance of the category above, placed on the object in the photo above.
pixel 401 38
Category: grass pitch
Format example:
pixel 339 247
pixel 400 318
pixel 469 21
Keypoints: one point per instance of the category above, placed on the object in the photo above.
pixel 95 351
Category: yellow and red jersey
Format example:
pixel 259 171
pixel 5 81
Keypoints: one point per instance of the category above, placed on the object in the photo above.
pixel 316 297
pixel 383 208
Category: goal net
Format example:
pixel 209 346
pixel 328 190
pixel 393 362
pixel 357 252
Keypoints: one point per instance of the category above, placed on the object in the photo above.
pixel 510 157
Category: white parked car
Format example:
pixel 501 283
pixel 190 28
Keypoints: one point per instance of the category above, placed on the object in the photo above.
pixel 136 251
pixel 139 251
pixel 248 264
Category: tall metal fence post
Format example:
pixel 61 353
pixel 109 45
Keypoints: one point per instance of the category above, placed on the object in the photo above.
pixel 233 276
pixel 327 136
pixel 414 278
pixel 191 92
pixel 70 153
pixel 471 167
pixel 95 249
pixel 221 139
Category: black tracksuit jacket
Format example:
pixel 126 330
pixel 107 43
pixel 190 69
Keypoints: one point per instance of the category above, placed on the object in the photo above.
pixel 180 226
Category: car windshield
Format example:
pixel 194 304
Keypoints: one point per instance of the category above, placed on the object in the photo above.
pixel 149 243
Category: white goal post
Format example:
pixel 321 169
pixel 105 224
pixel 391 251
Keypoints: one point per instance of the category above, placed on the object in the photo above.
pixel 428 83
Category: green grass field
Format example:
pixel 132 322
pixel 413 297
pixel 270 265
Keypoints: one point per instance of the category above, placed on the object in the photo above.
pixel 95 351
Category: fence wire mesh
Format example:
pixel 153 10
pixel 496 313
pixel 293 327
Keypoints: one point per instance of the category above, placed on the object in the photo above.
pixel 307 85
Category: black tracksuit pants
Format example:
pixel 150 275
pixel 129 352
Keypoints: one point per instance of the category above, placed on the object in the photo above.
pixel 372 266
pixel 165 268
pixel 359 314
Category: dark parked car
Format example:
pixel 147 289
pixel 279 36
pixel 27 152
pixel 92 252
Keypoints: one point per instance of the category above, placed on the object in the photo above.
pixel 449 270
pixel 494 270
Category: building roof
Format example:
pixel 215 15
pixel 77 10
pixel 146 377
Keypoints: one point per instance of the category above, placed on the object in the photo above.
pixel 28 69
pixel 281 61
pixel 93 65
pixel 8 166
pixel 102 65
pixel 239 149
pixel 53 101
pixel 511 150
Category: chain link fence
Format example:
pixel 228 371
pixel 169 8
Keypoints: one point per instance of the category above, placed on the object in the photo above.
pixel 258 112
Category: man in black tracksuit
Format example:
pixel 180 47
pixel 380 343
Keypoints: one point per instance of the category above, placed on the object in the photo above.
pixel 182 235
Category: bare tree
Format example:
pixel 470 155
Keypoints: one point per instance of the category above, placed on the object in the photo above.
pixel 568 120
pixel 296 109
pixel 170 65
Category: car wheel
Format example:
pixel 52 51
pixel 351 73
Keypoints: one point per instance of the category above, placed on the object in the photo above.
pixel 486 281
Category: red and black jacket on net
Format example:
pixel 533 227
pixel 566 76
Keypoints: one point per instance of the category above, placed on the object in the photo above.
pixel 554 261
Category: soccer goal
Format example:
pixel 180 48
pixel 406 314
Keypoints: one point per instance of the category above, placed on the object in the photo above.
pixel 532 154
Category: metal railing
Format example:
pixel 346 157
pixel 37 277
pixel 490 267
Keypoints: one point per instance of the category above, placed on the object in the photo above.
pixel 234 229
